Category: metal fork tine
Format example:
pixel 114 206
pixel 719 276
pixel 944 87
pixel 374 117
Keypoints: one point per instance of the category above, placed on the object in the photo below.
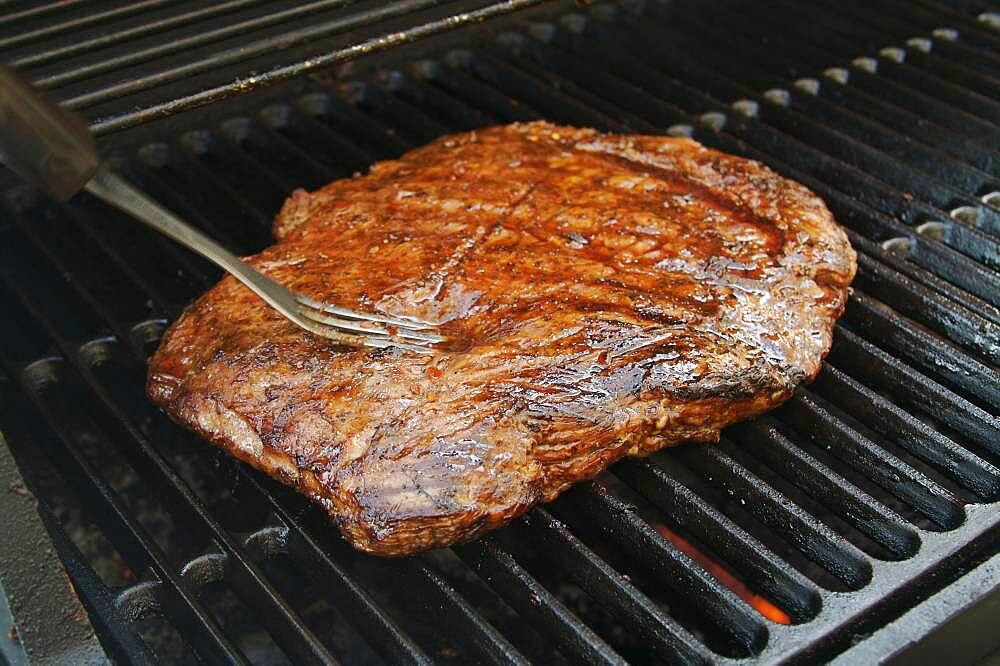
pixel 415 337
pixel 355 340
pixel 410 324
pixel 381 343
pixel 326 320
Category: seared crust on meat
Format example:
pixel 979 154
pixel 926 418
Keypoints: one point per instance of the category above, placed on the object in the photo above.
pixel 604 295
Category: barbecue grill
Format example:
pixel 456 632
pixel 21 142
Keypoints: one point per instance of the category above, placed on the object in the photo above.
pixel 859 522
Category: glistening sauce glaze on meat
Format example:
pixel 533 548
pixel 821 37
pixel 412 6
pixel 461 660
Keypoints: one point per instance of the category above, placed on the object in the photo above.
pixel 606 296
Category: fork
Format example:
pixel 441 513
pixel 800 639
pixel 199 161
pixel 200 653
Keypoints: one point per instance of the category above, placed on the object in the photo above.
pixel 54 149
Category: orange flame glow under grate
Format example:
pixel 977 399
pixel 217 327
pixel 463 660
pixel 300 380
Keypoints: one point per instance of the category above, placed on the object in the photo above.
pixel 760 604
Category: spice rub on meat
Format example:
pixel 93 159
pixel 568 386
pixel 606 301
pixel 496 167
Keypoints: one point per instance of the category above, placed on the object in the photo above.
pixel 604 296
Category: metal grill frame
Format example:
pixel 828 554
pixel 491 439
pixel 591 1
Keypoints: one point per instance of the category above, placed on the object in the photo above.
pixel 542 66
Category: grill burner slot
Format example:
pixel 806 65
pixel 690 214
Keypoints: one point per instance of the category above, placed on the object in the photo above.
pixel 872 488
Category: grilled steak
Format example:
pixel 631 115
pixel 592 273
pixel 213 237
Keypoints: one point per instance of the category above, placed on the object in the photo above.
pixel 604 296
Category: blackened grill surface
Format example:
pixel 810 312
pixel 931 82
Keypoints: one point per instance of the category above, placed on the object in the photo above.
pixel 870 489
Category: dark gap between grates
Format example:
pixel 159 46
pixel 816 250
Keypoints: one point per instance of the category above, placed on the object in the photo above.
pixel 839 494
pixel 164 640
pixel 603 622
pixel 794 594
pixel 23 427
pixel 417 596
pixel 319 612
pixel 704 480
pixel 672 596
pixel 239 622
pixel 923 503
pixel 742 451
pixel 530 639
pixel 830 458
pixel 965 474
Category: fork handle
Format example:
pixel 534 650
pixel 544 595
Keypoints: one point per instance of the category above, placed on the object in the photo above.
pixel 40 141
pixel 118 192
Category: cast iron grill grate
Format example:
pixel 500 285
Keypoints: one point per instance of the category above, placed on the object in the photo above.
pixel 873 487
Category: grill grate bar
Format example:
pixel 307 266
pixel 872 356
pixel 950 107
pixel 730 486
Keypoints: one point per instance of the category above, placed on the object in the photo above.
pixel 837 102
pixel 532 87
pixel 843 37
pixel 958 48
pixel 866 186
pixel 856 179
pixel 41 57
pixel 294 162
pixel 942 260
pixel 104 611
pixel 933 354
pixel 837 49
pixel 814 539
pixel 227 149
pixel 407 86
pixel 246 576
pixel 917 17
pixel 284 72
pixel 245 51
pixel 108 619
pixel 378 628
pixel 243 573
pixel 956 96
pixel 395 111
pixel 129 537
pixel 161 185
pixel 864 512
pixel 180 157
pixel 764 571
pixel 491 646
pixel 347 120
pixel 816 423
pixel 672 642
pixel 39 11
pixel 620 522
pixel 117 312
pixel 472 92
pixel 930 106
pixel 864 359
pixel 891 166
pixel 928 61
pixel 966 328
pixel 174 272
pixel 896 254
pixel 803 40
pixel 218 59
pixel 534 603
pixel 910 433
pixel 873 208
pixel 304 129
pixel 128 9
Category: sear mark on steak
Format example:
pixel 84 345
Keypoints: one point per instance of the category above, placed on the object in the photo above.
pixel 606 296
